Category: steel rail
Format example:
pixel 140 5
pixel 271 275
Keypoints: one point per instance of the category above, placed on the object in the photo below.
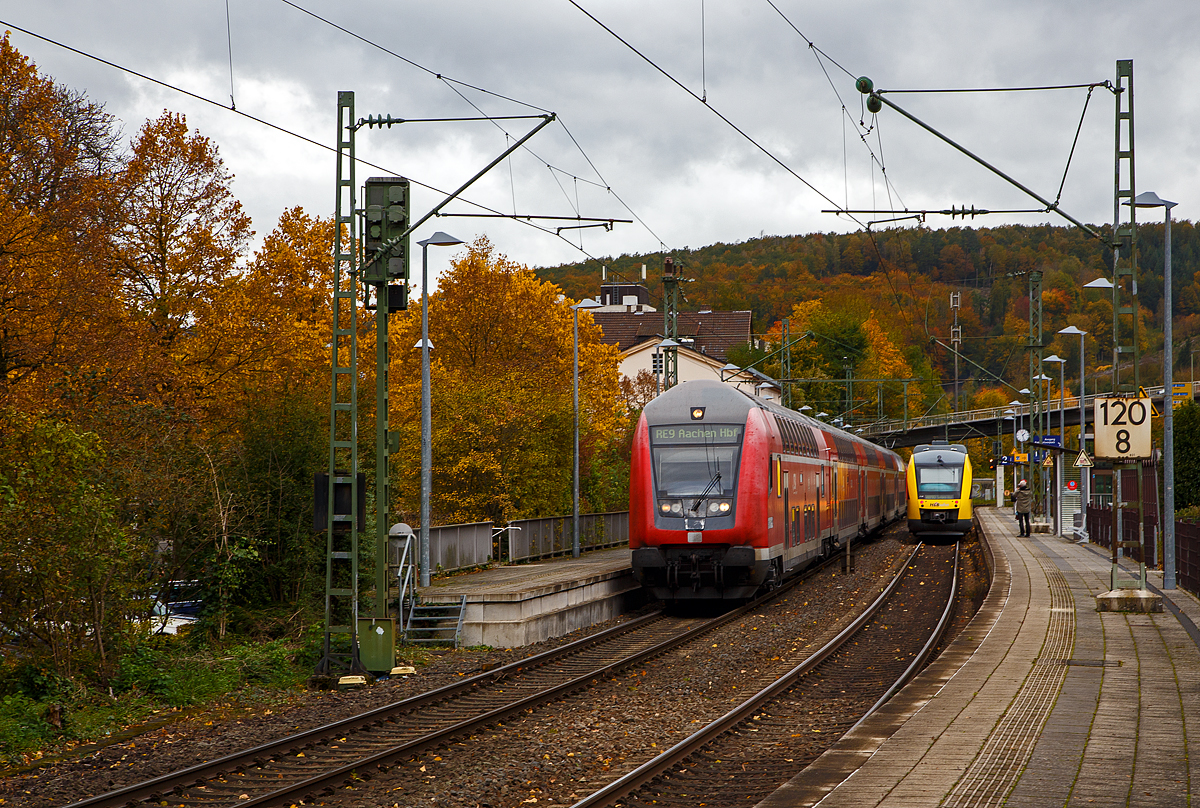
pixel 643 774
pixel 154 789
pixel 923 655
pixel 212 768
pixel 326 782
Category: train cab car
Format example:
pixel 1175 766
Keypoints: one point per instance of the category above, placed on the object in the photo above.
pixel 730 493
pixel 939 490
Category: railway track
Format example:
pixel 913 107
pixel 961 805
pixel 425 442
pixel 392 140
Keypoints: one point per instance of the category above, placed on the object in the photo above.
pixel 308 765
pixel 753 749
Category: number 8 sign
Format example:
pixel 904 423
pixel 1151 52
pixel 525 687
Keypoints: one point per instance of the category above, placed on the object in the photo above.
pixel 1122 428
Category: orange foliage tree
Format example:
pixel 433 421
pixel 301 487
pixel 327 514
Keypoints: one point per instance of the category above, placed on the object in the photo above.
pixel 501 394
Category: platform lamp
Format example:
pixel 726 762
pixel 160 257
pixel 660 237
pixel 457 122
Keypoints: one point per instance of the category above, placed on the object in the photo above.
pixel 1062 433
pixel 1011 414
pixel 1084 481
pixel 1100 283
pixel 1149 199
pixel 585 304
pixel 438 239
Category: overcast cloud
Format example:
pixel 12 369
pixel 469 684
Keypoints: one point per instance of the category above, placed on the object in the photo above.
pixel 686 174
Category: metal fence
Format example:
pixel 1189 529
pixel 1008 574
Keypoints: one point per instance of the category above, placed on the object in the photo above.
pixel 1100 524
pixel 458 547
pixel 1187 556
pixel 543 538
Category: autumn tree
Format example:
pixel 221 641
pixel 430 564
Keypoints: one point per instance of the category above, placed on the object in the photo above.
pixel 59 314
pixel 181 235
pixel 71 577
pixel 502 392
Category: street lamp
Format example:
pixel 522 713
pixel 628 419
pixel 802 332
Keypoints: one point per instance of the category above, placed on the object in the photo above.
pixel 1084 477
pixel 438 239
pixel 585 304
pixel 1149 199
pixel 1062 435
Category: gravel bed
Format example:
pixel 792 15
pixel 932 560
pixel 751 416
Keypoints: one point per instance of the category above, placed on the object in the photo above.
pixel 550 757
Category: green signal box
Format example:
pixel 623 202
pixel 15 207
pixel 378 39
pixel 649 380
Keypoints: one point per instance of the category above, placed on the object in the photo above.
pixel 377 643
pixel 386 218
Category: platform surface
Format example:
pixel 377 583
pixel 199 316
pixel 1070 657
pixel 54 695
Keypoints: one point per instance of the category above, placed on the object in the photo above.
pixel 521 604
pixel 535 578
pixel 1040 701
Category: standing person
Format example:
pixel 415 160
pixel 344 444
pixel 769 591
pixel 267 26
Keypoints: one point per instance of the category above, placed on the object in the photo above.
pixel 1023 500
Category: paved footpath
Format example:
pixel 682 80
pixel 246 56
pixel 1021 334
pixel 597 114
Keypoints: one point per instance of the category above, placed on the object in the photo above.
pixel 1040 701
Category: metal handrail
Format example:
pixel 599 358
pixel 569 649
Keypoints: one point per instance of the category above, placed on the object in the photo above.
pixel 989 413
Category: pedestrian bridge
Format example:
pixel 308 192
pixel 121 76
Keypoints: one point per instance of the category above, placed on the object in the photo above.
pixel 992 422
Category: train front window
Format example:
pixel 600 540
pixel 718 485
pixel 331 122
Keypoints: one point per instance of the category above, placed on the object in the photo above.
pixel 939 481
pixel 694 471
pixel 696 461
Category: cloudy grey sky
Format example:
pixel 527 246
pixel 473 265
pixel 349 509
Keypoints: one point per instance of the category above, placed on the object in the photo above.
pixel 669 160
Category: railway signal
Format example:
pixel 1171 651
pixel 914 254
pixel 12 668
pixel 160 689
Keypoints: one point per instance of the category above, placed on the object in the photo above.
pixel 384 237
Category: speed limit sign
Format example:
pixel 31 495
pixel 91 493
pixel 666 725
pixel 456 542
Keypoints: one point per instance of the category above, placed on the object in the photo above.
pixel 1122 428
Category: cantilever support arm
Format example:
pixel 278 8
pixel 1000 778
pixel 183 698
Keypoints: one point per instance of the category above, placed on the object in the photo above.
pixel 1050 206
pixel 386 247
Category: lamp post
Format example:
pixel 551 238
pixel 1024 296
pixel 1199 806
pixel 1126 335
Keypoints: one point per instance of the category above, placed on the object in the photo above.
pixel 585 304
pixel 1012 416
pixel 1084 477
pixel 1062 436
pixel 1043 426
pixel 1149 199
pixel 438 239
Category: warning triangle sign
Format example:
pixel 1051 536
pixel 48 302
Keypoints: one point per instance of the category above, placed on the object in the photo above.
pixel 1049 461
pixel 1083 460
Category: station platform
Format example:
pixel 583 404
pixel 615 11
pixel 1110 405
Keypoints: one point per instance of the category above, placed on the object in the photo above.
pixel 512 606
pixel 1040 701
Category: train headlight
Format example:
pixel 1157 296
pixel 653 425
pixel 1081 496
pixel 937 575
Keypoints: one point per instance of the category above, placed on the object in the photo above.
pixel 718 506
pixel 677 508
pixel 670 507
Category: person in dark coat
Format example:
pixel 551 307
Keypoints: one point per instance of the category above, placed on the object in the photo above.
pixel 1023 500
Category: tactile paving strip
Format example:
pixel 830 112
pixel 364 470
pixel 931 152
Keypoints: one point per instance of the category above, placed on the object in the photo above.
pixel 998 766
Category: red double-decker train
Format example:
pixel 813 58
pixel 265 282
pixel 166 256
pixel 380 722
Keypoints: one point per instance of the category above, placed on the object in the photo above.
pixel 730 493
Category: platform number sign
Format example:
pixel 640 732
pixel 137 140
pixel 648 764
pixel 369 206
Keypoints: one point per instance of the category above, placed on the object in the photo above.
pixel 1122 428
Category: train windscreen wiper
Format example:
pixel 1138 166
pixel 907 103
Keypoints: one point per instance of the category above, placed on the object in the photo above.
pixel 704 494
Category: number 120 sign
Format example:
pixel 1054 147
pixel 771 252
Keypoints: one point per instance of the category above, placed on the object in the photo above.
pixel 1122 428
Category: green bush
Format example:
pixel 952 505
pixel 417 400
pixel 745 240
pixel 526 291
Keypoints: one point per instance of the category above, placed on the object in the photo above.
pixel 22 727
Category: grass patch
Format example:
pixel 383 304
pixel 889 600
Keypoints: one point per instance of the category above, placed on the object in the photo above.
pixel 41 713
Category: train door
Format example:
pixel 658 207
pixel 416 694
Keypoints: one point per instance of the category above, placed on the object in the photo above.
pixel 787 514
pixel 835 500
pixel 860 502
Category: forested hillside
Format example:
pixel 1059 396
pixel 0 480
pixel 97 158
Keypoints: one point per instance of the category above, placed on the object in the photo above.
pixel 902 279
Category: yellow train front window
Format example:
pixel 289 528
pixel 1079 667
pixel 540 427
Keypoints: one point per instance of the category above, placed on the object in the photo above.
pixel 934 482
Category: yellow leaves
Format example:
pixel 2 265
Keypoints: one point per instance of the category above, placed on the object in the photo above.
pixel 502 389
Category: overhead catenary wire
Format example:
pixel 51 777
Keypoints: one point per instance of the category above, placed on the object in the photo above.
pixel 773 157
pixel 276 127
pixel 229 42
pixel 456 86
